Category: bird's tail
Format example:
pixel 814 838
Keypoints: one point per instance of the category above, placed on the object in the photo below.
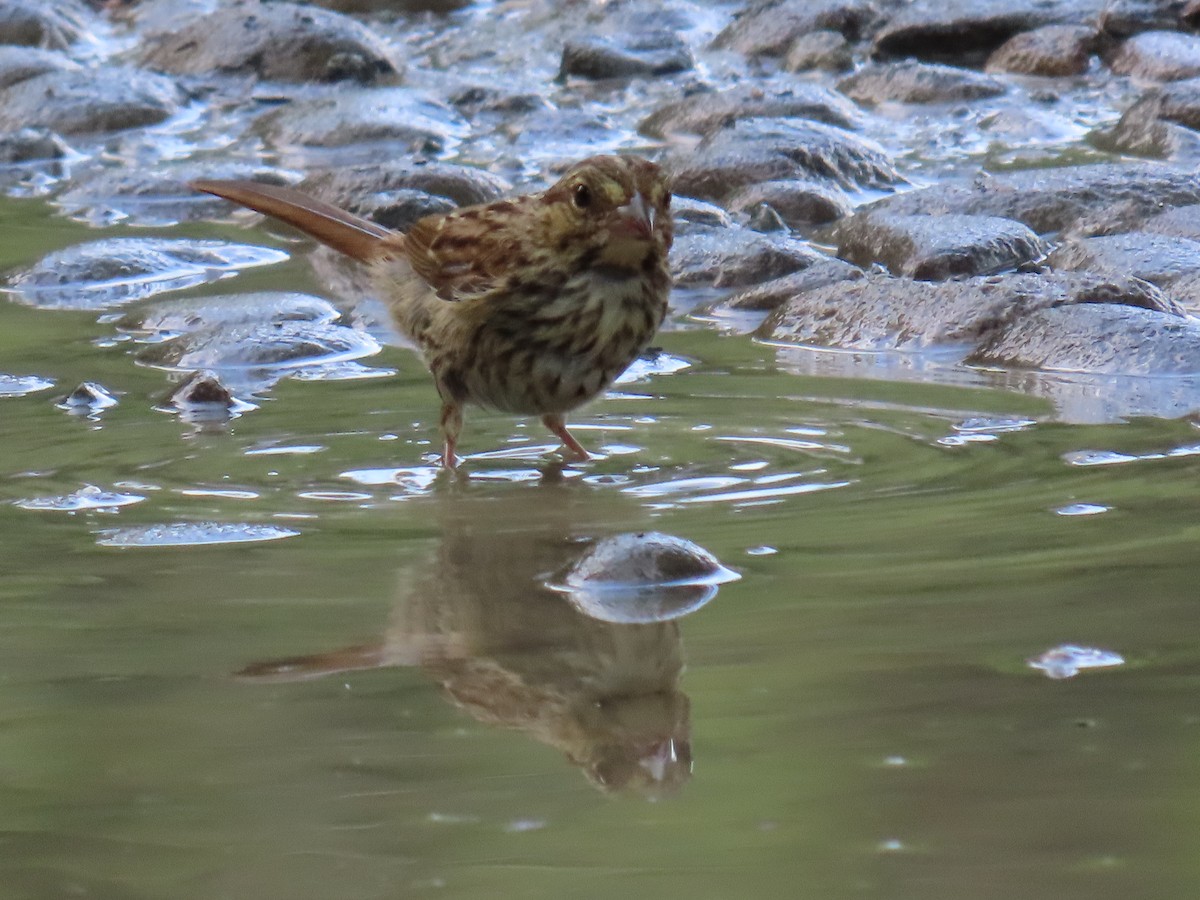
pixel 345 232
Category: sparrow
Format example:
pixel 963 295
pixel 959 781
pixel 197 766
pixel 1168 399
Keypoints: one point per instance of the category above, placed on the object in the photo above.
pixel 531 305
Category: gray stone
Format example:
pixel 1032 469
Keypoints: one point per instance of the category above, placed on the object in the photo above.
pixel 760 150
pixel 706 112
pixel 799 202
pixel 1157 258
pixel 397 115
pixel 1049 200
pixel 1101 338
pixel 86 102
pixel 19 63
pixel 933 248
pixel 825 50
pixel 31 145
pixel 632 56
pixel 771 294
pixel 1054 50
pixel 277 41
pixel 1183 221
pixel 56 24
pixel 260 345
pixel 1122 18
pixel 918 82
pixel 172 317
pixel 769 27
pixel 886 313
pixel 735 257
pixel 1158 56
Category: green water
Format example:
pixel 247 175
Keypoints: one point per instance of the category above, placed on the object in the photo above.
pixel 858 708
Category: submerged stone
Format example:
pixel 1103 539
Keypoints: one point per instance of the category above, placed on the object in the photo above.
pixel 918 82
pixel 277 41
pixel 705 112
pixel 31 145
pixel 87 399
pixel 769 27
pixel 20 385
pixel 117 270
pixel 173 317
pixel 1054 50
pixel 77 101
pixel 933 248
pixel 260 345
pixel 646 54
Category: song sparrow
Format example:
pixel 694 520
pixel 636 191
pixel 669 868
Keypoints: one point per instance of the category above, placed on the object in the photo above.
pixel 531 305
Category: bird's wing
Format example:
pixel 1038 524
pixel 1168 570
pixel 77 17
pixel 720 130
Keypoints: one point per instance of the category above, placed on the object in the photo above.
pixel 467 252
pixel 343 231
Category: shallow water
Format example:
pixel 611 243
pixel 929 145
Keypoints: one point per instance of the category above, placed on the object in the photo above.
pixel 288 658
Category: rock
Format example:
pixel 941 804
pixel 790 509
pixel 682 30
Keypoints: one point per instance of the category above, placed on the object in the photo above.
pixel 971 29
pixel 640 55
pixel 1190 15
pixel 1054 51
pixel 88 399
pixel 408 7
pixel 825 50
pixel 396 115
pixel 1149 127
pixel 1183 221
pixel 1158 56
pixel 173 317
pixel 56 24
pixel 19 63
pixel 259 346
pixel 769 295
pixel 158 195
pixel 201 396
pixel 86 102
pixel 31 145
pixel 1101 338
pixel 276 41
pixel 20 385
pixel 933 248
pixel 1157 258
pixel 886 313
pixel 1122 18
pixel 761 150
pixel 1050 200
pixel 690 213
pixel 917 82
pixel 769 27
pixel 109 272
pixel 800 202
pixel 706 112
pixel 735 257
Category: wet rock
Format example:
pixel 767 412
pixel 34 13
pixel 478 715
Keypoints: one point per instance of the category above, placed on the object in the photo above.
pixel 88 399
pixel 1158 258
pixel 885 313
pixel 31 144
pixel 398 192
pixel 402 6
pixel 158 195
pixel 276 41
pixel 798 203
pixel 20 385
pixel 706 112
pixel 769 296
pixel 769 27
pixel 825 50
pixel 260 345
pixel 406 119
pixel 933 248
pixel 1158 56
pixel 917 82
pixel 201 391
pixel 20 63
pixel 1097 337
pixel 643 577
pixel 970 29
pixel 1122 18
pixel 1183 221
pixel 56 24
pixel 1151 126
pixel 1055 50
pixel 173 317
pixel 489 100
pixel 85 102
pixel 638 55
pixel 1190 15
pixel 1049 200
pixel 760 150
pixel 117 270
pixel 706 256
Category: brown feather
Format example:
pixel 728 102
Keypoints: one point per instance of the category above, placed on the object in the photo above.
pixel 345 232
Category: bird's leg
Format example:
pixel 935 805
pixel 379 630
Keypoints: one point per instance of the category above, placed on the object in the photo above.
pixel 451 425
pixel 558 426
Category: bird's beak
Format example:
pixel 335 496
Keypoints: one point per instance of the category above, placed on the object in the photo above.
pixel 636 217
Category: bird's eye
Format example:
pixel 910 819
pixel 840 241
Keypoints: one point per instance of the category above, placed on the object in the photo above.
pixel 582 197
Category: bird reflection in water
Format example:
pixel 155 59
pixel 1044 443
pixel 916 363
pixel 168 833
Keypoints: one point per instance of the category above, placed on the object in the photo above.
pixel 513 653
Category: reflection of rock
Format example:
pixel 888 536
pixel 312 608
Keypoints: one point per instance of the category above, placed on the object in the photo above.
pixel 515 654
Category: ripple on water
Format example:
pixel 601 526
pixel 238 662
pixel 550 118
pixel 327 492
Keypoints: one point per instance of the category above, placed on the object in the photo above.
pixel 1113 458
pixel 1082 509
pixel 1068 660
pixel 414 480
pixel 644 367
pixel 88 497
pixel 20 385
pixel 191 534
pixel 110 272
